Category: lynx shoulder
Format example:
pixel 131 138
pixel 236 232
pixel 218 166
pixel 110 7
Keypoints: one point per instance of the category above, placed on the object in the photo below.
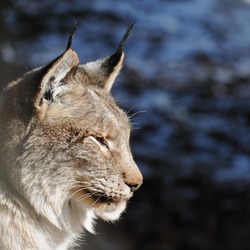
pixel 65 158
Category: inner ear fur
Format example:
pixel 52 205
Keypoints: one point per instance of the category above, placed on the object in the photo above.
pixel 103 72
pixel 55 73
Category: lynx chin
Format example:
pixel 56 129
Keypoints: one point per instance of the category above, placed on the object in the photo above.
pixel 65 158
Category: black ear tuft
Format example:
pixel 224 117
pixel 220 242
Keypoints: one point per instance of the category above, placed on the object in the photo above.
pixel 125 38
pixel 103 72
pixel 113 60
pixel 72 34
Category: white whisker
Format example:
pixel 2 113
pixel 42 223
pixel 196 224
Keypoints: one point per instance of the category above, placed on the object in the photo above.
pixel 85 196
pixel 136 113
pixel 98 199
pixel 77 191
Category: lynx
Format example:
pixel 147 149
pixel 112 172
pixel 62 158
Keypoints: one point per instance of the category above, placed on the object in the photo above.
pixel 65 158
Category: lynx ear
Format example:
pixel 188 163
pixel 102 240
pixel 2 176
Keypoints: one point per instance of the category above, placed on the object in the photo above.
pixel 103 72
pixel 51 80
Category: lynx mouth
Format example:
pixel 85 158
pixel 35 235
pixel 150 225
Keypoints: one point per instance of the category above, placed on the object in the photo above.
pixel 104 206
pixel 98 197
pixel 102 198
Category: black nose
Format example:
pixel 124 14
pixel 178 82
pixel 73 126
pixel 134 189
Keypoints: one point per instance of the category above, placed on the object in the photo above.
pixel 133 186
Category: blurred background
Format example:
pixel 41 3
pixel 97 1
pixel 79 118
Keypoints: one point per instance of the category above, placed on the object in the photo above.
pixel 186 84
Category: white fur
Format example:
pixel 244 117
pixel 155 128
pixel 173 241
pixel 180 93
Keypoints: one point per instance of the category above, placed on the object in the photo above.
pixel 42 234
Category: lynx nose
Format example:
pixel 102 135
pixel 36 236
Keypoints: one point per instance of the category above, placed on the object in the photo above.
pixel 133 182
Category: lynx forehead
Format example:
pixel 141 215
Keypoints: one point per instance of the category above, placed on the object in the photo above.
pixel 65 158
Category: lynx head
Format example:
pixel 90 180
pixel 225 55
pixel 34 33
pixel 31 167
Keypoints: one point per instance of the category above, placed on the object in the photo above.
pixel 66 142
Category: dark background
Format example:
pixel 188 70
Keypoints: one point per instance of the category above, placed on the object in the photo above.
pixel 186 73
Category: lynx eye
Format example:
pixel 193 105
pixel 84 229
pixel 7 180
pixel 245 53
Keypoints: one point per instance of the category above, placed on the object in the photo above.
pixel 101 141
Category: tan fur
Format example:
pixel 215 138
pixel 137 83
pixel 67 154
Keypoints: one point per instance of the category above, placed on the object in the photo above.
pixel 65 158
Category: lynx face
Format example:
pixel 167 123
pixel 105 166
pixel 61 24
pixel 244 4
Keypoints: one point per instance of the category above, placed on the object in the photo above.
pixel 66 142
